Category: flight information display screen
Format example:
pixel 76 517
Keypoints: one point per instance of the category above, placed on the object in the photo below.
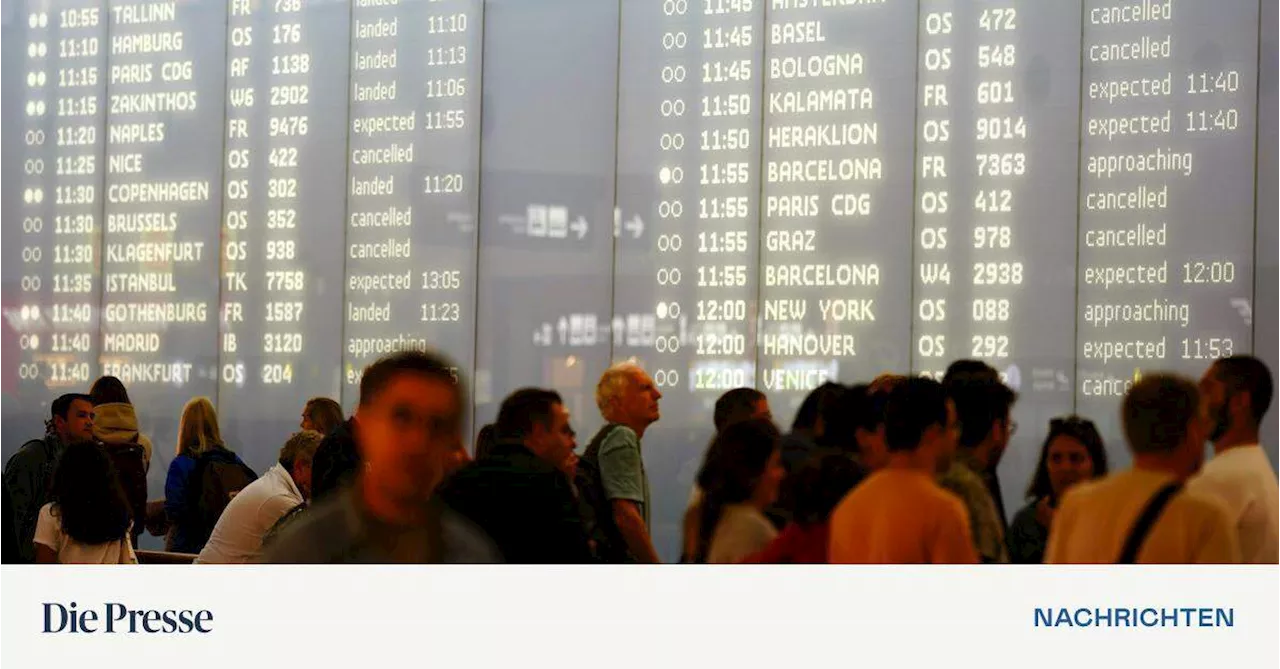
pixel 252 200
pixel 280 307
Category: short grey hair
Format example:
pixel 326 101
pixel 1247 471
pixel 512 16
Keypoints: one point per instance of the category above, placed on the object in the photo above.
pixel 614 382
pixel 301 447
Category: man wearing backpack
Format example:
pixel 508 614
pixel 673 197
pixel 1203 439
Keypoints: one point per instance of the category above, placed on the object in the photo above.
pixel 28 475
pixel 611 474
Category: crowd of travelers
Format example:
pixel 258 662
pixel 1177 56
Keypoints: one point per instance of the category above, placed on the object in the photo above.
pixel 898 470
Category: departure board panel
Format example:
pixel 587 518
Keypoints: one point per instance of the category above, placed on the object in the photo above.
pixel 546 202
pixel 281 292
pixel 55 136
pixel 413 180
pixel 996 137
pixel 1168 101
pixel 836 153
pixel 687 222
pixel 166 85
pixel 252 200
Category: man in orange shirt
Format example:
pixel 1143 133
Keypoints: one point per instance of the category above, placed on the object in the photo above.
pixel 899 514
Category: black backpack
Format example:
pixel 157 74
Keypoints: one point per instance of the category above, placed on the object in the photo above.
pixel 34 499
pixel 130 463
pixel 218 476
pixel 597 509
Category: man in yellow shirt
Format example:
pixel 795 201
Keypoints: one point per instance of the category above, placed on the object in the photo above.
pixel 1165 425
pixel 899 514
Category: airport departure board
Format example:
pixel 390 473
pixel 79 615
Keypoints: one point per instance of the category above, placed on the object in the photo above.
pixel 252 200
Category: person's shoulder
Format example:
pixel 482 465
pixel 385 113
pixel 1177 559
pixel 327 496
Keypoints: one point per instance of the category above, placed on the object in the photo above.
pixel 264 494
pixel 758 522
pixel 949 501
pixel 863 496
pixel 32 452
pixel 961 480
pixel 50 518
pixel 1219 472
pixel 464 542
pixel 622 442
pixel 620 436
pixel 1087 491
pixel 1201 505
pixel 943 500
pixel 843 511
pixel 319 531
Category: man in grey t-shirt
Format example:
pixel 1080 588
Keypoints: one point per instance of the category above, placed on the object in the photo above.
pixel 628 400
pixel 407 425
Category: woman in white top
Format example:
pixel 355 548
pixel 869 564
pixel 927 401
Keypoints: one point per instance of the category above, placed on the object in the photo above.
pixel 739 479
pixel 87 520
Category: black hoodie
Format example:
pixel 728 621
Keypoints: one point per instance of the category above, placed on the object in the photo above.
pixel 336 460
pixel 526 506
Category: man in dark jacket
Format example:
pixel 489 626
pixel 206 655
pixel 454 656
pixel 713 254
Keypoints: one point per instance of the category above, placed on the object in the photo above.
pixel 336 460
pixel 8 537
pixel 29 473
pixel 520 493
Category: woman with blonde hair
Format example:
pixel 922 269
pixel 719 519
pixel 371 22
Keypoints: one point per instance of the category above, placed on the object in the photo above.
pixel 203 478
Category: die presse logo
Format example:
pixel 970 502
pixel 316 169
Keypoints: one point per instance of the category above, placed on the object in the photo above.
pixel 116 618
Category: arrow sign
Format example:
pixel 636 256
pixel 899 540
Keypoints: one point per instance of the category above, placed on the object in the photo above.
pixel 579 227
pixel 636 227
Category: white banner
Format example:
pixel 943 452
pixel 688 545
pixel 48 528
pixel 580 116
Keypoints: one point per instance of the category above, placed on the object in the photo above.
pixel 187 617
